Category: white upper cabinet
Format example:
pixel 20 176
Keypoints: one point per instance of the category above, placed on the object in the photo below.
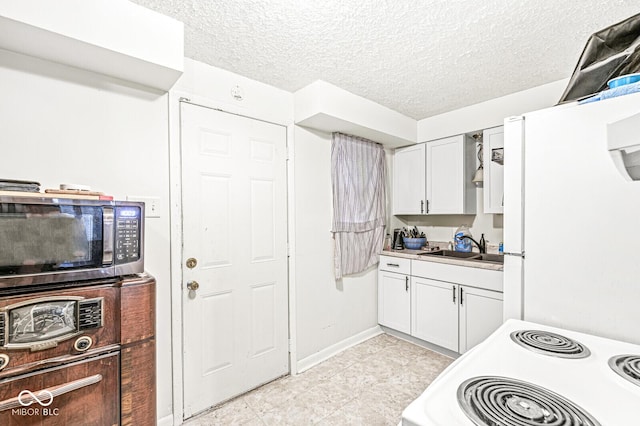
pixel 493 152
pixel 435 177
pixel 409 180
pixel 449 170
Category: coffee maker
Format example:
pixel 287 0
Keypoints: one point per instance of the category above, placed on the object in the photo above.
pixel 398 243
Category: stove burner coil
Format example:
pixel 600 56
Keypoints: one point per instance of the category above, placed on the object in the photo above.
pixel 627 366
pixel 501 401
pixel 548 343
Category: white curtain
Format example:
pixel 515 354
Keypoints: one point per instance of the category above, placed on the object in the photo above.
pixel 358 177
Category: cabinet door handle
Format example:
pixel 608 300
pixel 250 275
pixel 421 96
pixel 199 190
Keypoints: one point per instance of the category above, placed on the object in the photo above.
pixel 421 206
pixel 461 293
pixel 453 292
pixel 427 206
pixel 406 283
pixel 395 265
pixel 48 394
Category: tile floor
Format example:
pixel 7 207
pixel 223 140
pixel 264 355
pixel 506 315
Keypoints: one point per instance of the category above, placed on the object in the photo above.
pixel 368 384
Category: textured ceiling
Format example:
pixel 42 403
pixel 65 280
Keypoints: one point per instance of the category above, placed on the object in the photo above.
pixel 419 58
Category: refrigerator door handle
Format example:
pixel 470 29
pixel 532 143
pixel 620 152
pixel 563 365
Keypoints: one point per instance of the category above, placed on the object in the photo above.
pixel 508 253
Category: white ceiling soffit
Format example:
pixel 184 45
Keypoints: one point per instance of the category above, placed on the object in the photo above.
pixel 420 58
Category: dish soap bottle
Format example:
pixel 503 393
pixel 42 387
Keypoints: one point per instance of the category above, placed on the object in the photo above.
pixel 460 243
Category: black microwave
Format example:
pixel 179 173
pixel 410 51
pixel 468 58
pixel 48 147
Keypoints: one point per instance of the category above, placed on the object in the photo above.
pixel 51 240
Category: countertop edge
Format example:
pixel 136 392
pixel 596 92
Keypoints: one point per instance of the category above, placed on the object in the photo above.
pixel 415 255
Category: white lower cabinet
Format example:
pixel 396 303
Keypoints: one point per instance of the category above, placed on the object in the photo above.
pixel 394 295
pixel 454 315
pixel 480 314
pixel 394 301
pixel 434 312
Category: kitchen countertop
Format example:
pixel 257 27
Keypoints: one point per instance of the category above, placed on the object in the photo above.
pixel 415 255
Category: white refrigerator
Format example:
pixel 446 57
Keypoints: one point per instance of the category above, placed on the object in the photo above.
pixel 572 220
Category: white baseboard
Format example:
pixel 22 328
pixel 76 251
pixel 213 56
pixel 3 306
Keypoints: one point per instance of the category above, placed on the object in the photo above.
pixel 166 420
pixel 422 343
pixel 323 355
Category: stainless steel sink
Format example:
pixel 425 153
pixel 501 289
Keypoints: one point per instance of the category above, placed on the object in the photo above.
pixel 450 253
pixel 480 257
pixel 490 257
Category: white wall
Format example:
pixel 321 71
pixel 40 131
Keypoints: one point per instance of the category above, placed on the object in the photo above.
pixel 441 228
pixel 64 125
pixel 329 312
pixel 490 113
pixel 213 86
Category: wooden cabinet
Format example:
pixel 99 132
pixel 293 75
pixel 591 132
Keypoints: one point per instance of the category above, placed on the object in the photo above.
pixel 101 368
pixel 449 170
pixel 394 296
pixel 138 345
pixel 434 312
pixel 493 152
pixel 409 180
pixel 435 177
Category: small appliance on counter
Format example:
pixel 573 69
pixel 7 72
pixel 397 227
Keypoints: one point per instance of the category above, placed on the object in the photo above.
pixel 398 241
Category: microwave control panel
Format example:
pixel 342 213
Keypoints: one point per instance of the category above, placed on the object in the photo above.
pixel 127 241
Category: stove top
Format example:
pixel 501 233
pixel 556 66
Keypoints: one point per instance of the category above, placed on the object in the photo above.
pixel 490 400
pixel 548 343
pixel 627 366
pixel 536 389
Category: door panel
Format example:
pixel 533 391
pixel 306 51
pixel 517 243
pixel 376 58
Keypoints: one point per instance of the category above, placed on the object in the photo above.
pixel 408 180
pixel 88 393
pixel 235 225
pixel 480 315
pixel 394 301
pixel 434 312
pixel 445 173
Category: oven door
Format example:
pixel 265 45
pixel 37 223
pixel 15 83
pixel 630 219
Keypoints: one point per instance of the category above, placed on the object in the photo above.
pixel 85 392
pixel 53 240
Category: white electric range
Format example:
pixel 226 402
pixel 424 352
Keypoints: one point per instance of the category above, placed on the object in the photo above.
pixel 502 382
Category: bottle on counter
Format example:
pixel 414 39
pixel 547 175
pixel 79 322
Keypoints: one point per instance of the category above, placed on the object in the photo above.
pixel 482 244
pixel 501 248
pixel 460 243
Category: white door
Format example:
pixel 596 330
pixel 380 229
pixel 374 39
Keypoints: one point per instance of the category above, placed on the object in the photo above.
pixel 394 301
pixel 434 312
pixel 235 226
pixel 408 180
pixel 445 175
pixel 480 315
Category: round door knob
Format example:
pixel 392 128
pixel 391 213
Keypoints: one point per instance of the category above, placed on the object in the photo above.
pixel 193 285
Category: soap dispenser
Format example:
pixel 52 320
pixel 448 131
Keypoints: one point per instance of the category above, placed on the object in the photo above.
pixel 482 244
